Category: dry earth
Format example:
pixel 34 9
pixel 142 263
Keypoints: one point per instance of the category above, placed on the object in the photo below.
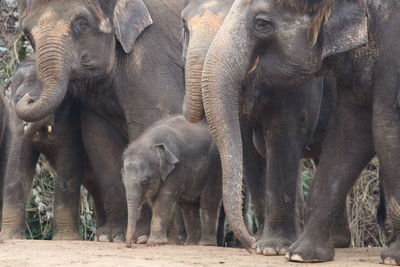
pixel 75 253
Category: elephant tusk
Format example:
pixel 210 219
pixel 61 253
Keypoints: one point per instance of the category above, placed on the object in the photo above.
pixel 49 128
pixel 256 62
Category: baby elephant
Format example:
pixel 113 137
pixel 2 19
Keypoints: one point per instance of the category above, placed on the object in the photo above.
pixel 174 162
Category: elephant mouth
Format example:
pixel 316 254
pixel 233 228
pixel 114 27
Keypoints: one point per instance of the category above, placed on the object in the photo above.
pixel 33 128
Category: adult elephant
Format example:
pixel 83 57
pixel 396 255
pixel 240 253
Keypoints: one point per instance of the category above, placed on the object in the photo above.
pixel 286 125
pixel 290 42
pixel 4 142
pixel 122 59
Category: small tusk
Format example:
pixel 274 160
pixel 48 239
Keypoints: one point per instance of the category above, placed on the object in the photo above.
pixel 257 61
pixel 49 128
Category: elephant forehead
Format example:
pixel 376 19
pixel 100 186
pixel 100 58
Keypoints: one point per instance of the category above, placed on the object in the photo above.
pixel 49 21
pixel 207 21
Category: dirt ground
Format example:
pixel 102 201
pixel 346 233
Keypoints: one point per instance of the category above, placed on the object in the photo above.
pixel 75 253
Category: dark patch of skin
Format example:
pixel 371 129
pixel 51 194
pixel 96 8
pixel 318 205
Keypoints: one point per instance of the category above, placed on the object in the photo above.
pixel 366 118
pixel 193 182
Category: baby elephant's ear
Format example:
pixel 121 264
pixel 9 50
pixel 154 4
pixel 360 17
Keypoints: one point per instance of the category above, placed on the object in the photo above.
pixel 131 18
pixel 167 160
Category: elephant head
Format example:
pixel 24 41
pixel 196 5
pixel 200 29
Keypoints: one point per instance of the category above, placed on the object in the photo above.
pixel 76 40
pixel 283 43
pixel 201 20
pixel 24 81
pixel 144 170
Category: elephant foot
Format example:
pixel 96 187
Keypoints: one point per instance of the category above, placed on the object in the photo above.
pixel 391 255
pixel 66 235
pixel 270 245
pixel 110 234
pixel 310 250
pixel 208 241
pixel 157 241
pixel 341 241
pixel 142 239
pixel 6 234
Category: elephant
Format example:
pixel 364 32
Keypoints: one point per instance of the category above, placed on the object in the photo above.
pixel 286 126
pixel 121 59
pixel 290 43
pixel 58 137
pixel 174 163
pixel 4 142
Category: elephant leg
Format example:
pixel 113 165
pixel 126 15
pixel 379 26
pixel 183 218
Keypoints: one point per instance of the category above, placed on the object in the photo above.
pixel 143 225
pixel 386 130
pixel 20 171
pixel 163 210
pixel 284 148
pixel 347 149
pixel 69 167
pixel 210 202
pixel 180 224
pixel 191 216
pixel 340 235
pixel 221 227
pixel 104 147
pixel 253 172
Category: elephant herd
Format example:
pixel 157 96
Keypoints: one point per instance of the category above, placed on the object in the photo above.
pixel 164 109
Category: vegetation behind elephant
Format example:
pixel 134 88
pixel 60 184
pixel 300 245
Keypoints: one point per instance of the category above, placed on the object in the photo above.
pixel 286 125
pixel 121 60
pixel 174 162
pixel 289 43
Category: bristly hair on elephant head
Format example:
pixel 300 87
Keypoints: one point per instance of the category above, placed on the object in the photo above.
pixel 319 10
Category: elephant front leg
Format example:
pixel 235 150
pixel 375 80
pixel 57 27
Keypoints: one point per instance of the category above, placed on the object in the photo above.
pixel 347 149
pixel 18 178
pixel 104 147
pixel 69 167
pixel 283 147
pixel 163 215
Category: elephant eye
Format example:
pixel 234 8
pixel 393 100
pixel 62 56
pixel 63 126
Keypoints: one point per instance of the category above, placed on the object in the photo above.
pixel 263 25
pixel 80 25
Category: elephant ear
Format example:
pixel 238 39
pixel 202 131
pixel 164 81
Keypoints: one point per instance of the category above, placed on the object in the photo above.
pixel 168 160
pixel 131 18
pixel 346 28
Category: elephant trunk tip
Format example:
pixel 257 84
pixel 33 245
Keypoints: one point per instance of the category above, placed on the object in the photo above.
pixel 129 234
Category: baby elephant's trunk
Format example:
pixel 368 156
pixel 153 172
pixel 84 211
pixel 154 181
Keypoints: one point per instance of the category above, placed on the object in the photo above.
pixel 133 210
pixel 130 232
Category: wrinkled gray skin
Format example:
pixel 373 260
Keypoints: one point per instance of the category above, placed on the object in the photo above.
pixel 120 58
pixel 174 162
pixel 5 136
pixel 357 43
pixel 286 126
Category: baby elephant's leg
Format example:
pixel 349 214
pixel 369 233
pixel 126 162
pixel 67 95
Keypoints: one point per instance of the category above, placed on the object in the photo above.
pixel 191 216
pixel 163 215
pixel 210 205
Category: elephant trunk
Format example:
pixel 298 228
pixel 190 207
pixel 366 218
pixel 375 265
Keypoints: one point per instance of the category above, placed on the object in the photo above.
pixel 53 63
pixel 225 69
pixel 134 200
pixel 197 51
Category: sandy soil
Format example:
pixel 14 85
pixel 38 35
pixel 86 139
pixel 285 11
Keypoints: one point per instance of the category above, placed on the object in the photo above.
pixel 74 253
